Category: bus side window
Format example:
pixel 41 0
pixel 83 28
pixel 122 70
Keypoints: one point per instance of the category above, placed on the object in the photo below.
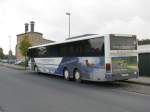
pixel 97 46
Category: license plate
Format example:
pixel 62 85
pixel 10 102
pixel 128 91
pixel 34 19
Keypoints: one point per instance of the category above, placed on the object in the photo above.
pixel 124 75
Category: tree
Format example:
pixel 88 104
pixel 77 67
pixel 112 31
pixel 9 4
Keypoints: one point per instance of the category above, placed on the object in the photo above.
pixel 1 53
pixel 24 45
pixel 144 41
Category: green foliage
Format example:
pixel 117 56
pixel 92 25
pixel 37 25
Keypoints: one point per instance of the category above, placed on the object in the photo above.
pixel 1 53
pixel 24 45
pixel 144 41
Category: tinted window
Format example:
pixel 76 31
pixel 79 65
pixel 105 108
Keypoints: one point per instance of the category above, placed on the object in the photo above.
pixel 63 50
pixel 90 47
pixel 97 46
pixel 42 51
pixel 123 43
pixel 32 52
pixel 52 51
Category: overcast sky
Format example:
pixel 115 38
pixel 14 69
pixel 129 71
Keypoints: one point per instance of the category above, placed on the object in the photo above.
pixel 87 16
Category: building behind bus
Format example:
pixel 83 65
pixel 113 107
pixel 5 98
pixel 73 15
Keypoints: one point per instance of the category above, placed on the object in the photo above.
pixel 35 38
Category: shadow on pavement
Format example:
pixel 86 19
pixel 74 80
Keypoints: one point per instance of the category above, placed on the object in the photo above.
pixel 112 85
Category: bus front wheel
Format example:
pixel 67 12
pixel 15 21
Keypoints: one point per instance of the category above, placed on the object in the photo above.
pixel 36 69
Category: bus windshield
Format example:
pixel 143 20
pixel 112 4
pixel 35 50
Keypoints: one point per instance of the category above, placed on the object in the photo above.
pixel 123 43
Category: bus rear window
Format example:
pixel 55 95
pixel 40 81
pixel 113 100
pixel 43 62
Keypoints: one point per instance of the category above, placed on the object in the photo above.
pixel 123 43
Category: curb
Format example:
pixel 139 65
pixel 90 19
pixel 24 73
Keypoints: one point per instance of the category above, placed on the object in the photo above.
pixel 136 82
pixel 13 67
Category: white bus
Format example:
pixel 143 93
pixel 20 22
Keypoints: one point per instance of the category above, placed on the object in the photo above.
pixel 89 57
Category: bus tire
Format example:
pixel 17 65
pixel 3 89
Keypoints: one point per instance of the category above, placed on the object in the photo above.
pixel 77 76
pixel 66 74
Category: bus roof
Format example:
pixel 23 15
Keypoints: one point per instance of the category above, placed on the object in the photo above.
pixel 82 37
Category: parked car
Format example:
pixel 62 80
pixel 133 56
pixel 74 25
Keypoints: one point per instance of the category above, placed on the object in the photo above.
pixel 11 61
pixel 4 61
pixel 19 62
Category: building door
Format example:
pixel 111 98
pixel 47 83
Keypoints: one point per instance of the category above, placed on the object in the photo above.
pixel 144 64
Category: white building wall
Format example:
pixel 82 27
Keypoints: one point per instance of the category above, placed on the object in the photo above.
pixel 144 49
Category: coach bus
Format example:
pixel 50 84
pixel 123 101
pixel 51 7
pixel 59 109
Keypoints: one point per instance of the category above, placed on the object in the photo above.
pixel 92 57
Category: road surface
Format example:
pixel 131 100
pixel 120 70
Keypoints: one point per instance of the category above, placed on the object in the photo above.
pixel 22 91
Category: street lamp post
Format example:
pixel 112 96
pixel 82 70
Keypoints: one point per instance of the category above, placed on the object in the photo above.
pixel 67 13
pixel 9 42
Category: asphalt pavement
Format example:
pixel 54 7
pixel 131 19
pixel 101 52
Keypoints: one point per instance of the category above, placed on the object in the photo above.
pixel 22 91
pixel 140 80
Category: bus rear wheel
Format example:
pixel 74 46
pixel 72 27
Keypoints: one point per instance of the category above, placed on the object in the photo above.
pixel 77 76
pixel 66 74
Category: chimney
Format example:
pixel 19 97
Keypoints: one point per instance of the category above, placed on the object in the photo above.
pixel 26 27
pixel 32 26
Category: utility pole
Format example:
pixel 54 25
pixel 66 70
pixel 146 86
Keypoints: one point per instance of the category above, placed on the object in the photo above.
pixel 10 52
pixel 67 13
